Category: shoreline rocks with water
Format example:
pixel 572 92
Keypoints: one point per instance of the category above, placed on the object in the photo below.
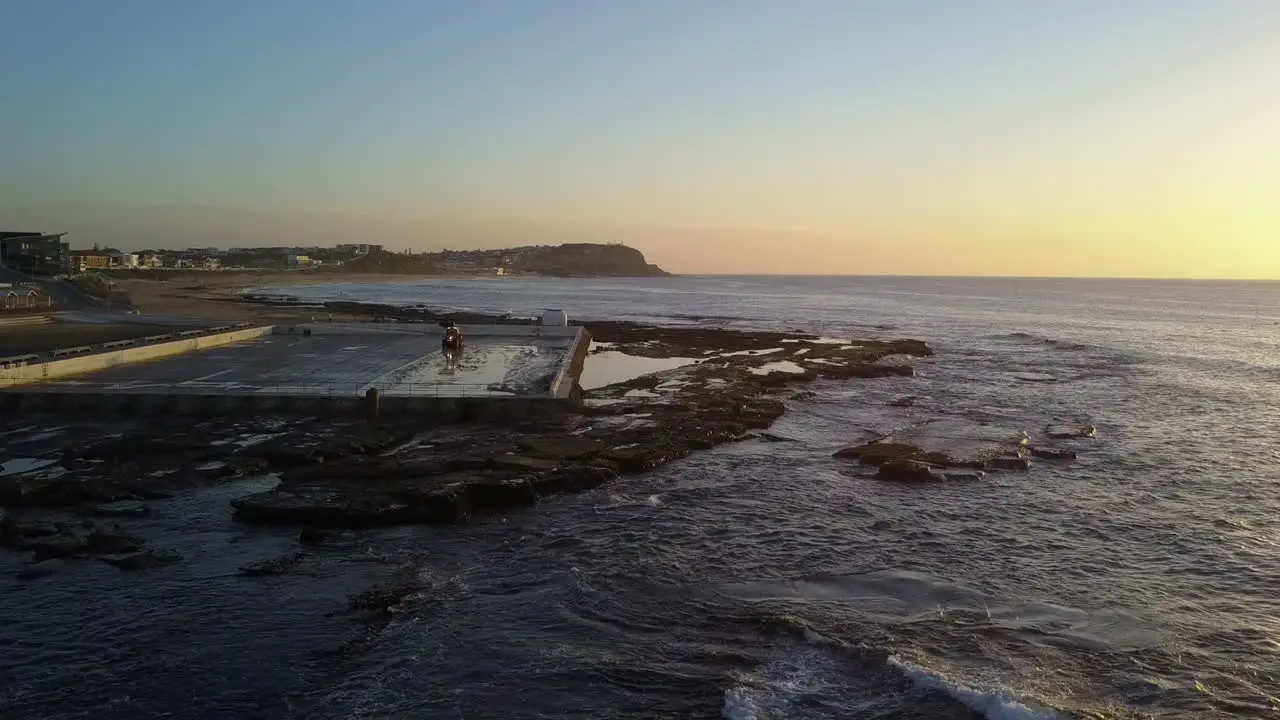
pixel 352 473
pixel 951 449
pixel 54 543
pixel 450 475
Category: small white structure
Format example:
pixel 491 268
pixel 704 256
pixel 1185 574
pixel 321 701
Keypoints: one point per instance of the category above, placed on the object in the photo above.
pixel 555 318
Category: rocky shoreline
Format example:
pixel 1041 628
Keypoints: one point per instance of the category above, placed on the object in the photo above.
pixel 730 385
pixel 722 386
pixel 65 479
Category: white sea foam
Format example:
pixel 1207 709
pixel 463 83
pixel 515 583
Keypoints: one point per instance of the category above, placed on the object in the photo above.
pixel 770 692
pixel 740 705
pixel 994 705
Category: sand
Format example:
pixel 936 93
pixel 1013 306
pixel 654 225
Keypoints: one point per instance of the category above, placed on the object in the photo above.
pixel 217 296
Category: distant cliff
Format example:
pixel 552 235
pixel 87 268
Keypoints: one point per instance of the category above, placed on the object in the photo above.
pixel 588 260
pixel 569 260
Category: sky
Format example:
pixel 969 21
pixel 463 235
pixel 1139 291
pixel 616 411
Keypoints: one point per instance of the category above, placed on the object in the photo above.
pixel 1104 138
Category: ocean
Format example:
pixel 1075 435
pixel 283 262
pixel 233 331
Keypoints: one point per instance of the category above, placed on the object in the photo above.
pixel 766 580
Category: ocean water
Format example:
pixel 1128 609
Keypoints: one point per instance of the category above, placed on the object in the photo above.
pixel 769 580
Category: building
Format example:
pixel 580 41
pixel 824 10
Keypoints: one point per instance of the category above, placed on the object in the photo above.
pixel 19 298
pixel 358 248
pixel 85 260
pixel 299 260
pixel 35 253
pixel 95 259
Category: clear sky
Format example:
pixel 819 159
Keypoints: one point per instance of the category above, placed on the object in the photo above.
pixel 984 137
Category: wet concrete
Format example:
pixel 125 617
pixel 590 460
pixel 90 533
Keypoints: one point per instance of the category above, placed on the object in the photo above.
pixel 341 365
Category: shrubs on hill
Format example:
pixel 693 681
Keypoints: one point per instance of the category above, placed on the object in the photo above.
pixel 92 284
pixel 389 264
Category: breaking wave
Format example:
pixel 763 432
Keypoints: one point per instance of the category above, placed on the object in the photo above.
pixel 823 677
pixel 992 704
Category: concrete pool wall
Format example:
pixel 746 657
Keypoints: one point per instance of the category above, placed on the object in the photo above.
pixel 503 373
pixel 132 353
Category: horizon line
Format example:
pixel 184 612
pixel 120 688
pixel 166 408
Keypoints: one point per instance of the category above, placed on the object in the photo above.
pixel 980 277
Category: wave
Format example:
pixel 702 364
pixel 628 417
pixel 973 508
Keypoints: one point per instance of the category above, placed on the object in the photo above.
pixel 991 704
pixel 1056 344
pixel 828 676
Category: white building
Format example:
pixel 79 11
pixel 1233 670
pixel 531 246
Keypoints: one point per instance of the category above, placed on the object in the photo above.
pixel 358 248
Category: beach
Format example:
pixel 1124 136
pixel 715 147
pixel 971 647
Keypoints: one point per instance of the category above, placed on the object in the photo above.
pixel 216 295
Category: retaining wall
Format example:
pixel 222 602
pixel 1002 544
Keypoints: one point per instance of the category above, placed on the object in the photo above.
pixel 571 368
pixel 430 409
pixel 98 362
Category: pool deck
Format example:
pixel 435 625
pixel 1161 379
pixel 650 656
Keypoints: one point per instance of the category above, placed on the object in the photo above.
pixel 342 365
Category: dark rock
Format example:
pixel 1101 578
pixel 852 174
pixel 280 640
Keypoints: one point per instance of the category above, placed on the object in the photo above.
pixel 243 466
pixel 879 452
pixel 140 559
pixel 54 546
pixel 560 448
pixel 368 441
pixel 1020 464
pixel 10 533
pixel 501 494
pixel 641 459
pixel 111 543
pixel 42 568
pixel 576 478
pixel 951 442
pixel 903 402
pixel 804 395
pixel 313 506
pixel 1067 431
pixel 312 536
pixel 283 452
pixel 120 508
pixel 867 370
pixel 1053 453
pixel 57 493
pixel 274 566
pixel 908 471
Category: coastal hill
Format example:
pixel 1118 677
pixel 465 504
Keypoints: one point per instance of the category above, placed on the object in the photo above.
pixel 568 260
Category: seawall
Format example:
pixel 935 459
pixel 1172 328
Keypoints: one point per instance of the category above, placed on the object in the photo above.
pixel 130 352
